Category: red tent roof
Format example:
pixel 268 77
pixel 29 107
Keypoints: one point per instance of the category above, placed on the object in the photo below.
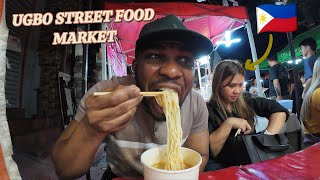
pixel 209 20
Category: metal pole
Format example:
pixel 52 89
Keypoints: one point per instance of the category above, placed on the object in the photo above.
pixel 104 55
pixel 254 58
pixel 85 62
pixel 199 75
pixel 295 72
pixel 109 69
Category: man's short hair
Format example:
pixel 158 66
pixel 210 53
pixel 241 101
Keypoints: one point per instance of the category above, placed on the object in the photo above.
pixel 309 42
pixel 272 57
pixel 170 28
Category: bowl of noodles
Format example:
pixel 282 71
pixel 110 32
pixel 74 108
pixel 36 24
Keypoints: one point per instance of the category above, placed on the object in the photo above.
pixel 171 161
pixel 155 166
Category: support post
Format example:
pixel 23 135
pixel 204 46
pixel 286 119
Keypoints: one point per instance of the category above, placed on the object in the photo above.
pixel 103 55
pixel 254 58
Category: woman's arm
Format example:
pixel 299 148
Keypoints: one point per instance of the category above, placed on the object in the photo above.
pixel 276 122
pixel 272 110
pixel 218 137
pixel 265 107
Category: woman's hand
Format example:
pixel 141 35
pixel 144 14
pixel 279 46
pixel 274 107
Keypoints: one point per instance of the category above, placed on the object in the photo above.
pixel 239 123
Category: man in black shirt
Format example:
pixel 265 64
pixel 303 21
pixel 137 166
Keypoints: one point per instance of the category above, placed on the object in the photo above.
pixel 278 80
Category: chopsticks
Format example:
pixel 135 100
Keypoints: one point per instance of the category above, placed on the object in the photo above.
pixel 141 93
pixel 238 132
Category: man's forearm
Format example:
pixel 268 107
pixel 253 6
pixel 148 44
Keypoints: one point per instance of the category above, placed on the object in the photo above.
pixel 74 151
pixel 307 85
pixel 278 90
pixel 277 87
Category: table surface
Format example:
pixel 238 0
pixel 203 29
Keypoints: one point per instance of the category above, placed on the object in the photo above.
pixel 302 165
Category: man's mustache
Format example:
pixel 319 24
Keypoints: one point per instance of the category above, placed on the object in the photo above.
pixel 165 81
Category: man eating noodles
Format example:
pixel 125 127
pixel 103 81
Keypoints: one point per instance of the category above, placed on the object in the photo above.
pixel 130 123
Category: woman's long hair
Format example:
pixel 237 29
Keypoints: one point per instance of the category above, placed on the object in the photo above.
pixel 315 83
pixel 223 70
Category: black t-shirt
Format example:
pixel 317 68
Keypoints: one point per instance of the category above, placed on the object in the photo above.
pixel 228 155
pixel 280 72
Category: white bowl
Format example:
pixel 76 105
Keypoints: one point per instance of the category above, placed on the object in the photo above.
pixel 156 155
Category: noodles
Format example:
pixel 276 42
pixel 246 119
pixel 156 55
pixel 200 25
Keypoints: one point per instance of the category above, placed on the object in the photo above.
pixel 170 104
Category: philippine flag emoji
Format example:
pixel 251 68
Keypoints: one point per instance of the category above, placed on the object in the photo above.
pixel 276 18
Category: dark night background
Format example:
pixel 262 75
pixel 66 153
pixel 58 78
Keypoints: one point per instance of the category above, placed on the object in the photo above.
pixel 308 13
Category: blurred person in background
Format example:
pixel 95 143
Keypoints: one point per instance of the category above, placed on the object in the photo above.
pixel 308 49
pixel 278 80
pixel 310 110
pixel 253 89
pixel 293 85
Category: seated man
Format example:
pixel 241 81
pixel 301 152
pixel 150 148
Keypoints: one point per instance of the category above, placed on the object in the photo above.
pixel 165 56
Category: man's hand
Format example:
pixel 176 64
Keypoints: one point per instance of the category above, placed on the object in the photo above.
pixel 303 94
pixel 239 123
pixel 75 149
pixel 306 87
pixel 279 98
pixel 112 112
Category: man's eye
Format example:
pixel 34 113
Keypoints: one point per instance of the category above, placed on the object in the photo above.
pixel 153 56
pixel 187 61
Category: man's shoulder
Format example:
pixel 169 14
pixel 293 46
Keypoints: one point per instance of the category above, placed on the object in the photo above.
pixel 195 94
pixel 284 67
pixel 280 67
pixel 193 102
pixel 312 59
pixel 196 97
pixel 274 68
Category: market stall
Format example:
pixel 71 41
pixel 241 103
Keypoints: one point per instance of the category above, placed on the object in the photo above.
pixel 210 20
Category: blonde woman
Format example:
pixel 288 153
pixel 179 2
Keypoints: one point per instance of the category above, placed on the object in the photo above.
pixel 310 110
pixel 230 110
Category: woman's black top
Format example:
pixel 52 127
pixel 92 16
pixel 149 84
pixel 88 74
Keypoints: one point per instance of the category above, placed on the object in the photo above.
pixel 234 147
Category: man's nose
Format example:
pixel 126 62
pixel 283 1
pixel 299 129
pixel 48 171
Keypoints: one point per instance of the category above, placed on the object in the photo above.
pixel 171 69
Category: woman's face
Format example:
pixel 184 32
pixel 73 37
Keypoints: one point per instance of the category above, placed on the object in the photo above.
pixel 232 87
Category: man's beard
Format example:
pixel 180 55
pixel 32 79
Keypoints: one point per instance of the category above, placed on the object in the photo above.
pixel 147 101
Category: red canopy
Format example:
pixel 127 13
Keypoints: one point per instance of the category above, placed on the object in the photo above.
pixel 209 20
